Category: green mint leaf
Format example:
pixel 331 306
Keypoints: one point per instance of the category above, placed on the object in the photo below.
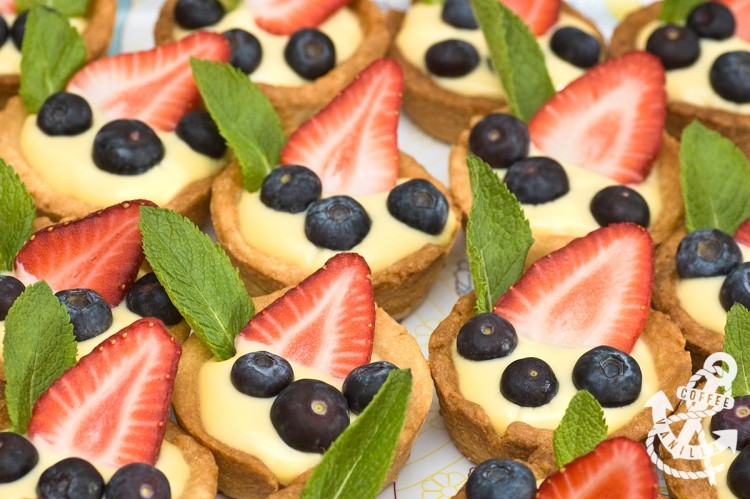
pixel 516 57
pixel 498 236
pixel 676 11
pixel 198 277
pixel 715 180
pixel 358 461
pixel 52 52
pixel 68 8
pixel 17 213
pixel 581 429
pixel 38 347
pixel 245 117
pixel 737 344
pixel 229 4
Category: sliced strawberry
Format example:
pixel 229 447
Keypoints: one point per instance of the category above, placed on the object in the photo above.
pixel 112 407
pixel 7 7
pixel 610 120
pixel 351 143
pixel 594 291
pixel 539 15
pixel 742 235
pixel 741 11
pixel 326 322
pixel 102 251
pixel 155 86
pixel 618 468
pixel 284 17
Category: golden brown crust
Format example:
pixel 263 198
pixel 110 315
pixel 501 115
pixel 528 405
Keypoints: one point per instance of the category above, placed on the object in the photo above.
pixel 469 425
pixel 203 479
pixel 243 475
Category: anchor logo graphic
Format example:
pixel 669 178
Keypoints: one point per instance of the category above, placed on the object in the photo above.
pixel 715 396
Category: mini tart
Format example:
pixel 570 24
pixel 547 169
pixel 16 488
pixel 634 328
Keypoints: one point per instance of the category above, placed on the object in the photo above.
pixel 296 104
pixel 444 114
pixel 734 126
pixel 468 423
pixel 399 288
pixel 242 475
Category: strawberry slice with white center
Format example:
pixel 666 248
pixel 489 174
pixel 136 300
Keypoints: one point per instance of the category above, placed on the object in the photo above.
pixel 741 11
pixel 539 15
pixel 325 323
pixel 7 7
pixel 351 143
pixel 610 120
pixel 618 468
pixel 594 291
pixel 154 86
pixel 112 407
pixel 284 17
pixel 102 251
pixel 742 235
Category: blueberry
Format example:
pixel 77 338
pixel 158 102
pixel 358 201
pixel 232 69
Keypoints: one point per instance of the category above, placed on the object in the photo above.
pixel 17 456
pixel 310 53
pixel 612 376
pixel 676 46
pixel 528 382
pixel 138 481
pixel 195 14
pixel 309 415
pixel 290 188
pixel 730 76
pixel 71 478
pixel 706 253
pixel 361 385
pixel 736 287
pixel 420 205
pixel 64 113
pixel 261 374
pixel 500 140
pixel 338 223
pixel 738 476
pixel 576 46
pixel 619 203
pixel 712 20
pixel 127 147
pixel 736 418
pixel 537 180
pixel 459 14
pixel 501 479
pixel 10 289
pixel 246 50
pixel 4 30
pixel 148 298
pixel 89 313
pixel 451 58
pixel 486 336
pixel 198 130
pixel 19 28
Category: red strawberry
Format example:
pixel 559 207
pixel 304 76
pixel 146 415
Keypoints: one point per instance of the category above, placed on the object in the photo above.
pixel 618 468
pixel 742 235
pixel 539 15
pixel 7 7
pixel 594 291
pixel 155 86
pixel 351 143
pixel 112 407
pixel 326 322
pixel 101 251
pixel 741 11
pixel 610 120
pixel 284 17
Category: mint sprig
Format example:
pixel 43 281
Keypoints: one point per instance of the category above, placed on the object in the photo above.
pixel 17 213
pixel 581 429
pixel 516 57
pixel 245 117
pixel 676 11
pixel 498 235
pixel 229 4
pixel 715 180
pixel 68 8
pixel 38 347
pixel 737 344
pixel 357 463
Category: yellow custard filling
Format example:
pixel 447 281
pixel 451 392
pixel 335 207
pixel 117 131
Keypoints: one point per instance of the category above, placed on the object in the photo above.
pixel 10 56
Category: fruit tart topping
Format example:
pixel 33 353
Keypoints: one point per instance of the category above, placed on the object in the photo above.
pixel 420 205
pixel 4 30
pixel 287 17
pixel 738 475
pixel 17 216
pixel 148 298
pixel 585 294
pixel 247 51
pixel 71 477
pixel 138 480
pixel 89 313
pixel 18 30
pixel 742 235
pixel 338 223
pixel 736 287
pixel 537 180
pixel 736 418
pixel 500 140
pixel 675 46
pixel 18 456
pixel 574 45
pixel 712 20
pixel 619 203
pixel 290 188
pixel 529 382
pixel 498 478
pixel 127 147
pixel 610 375
pixel 451 58
pixel 728 76
pixel 486 336
pixel 706 253
pixel 539 15
pixel 196 14
pixel 741 11
pixel 200 132
pixel 581 429
pixel 459 14
pixel 261 374
pixel 363 383
pixel 10 289
pixel 310 53
pixel 64 113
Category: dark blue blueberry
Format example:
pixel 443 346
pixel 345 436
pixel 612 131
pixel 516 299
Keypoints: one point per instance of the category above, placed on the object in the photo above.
pixel 17 456
pixel 619 203
pixel 290 188
pixel 500 140
pixel 195 14
pixel 138 481
pixel 736 418
pixel 712 20
pixel 459 14
pixel 71 478
pixel 537 180
pixel 309 415
pixel 19 28
pixel 148 298
pixel 89 313
pixel 736 287
pixel 4 31
pixel 706 253
pixel 612 376
pixel 261 374
pixel 529 382
pixel 361 385
pixel 574 45
pixel 730 76
pixel 676 46
pixel 338 223
pixel 486 336
pixel 64 113
pixel 246 50
pixel 10 289
pixel 451 58
pixel 501 479
pixel 420 205
pixel 127 147
pixel 738 476
pixel 198 130
pixel 310 53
